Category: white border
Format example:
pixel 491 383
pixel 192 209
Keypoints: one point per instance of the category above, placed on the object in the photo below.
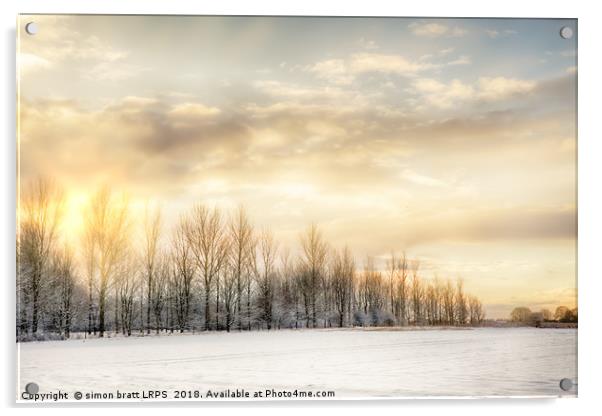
pixel 590 162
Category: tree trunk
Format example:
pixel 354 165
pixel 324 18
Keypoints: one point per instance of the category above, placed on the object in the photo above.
pixel 101 318
pixel 35 291
pixel 207 308
pixel 148 303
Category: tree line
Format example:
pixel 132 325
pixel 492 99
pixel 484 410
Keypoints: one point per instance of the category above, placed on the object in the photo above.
pixel 212 271
pixel 563 314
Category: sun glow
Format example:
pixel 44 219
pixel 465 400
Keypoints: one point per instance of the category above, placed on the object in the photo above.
pixel 72 223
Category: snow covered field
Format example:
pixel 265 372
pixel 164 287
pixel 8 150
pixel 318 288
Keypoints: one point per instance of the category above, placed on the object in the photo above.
pixel 352 363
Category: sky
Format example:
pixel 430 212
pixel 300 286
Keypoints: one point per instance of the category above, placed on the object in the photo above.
pixel 453 140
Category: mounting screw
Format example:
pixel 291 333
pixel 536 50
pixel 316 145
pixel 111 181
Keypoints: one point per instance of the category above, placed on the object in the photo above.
pixel 32 388
pixel 566 384
pixel 31 28
pixel 566 32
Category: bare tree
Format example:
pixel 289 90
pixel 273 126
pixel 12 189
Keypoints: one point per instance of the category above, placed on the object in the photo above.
pixel 64 286
pixel 241 237
pixel 267 252
pixel 108 221
pixel 402 290
pixel 392 266
pixel 152 230
pixel 89 258
pixel 439 291
pixel 159 290
pixel 315 251
pixel 475 311
pixel 183 274
pixel 449 303
pixel 430 303
pixel 41 209
pixel 290 288
pixel 128 284
pixel 343 276
pixel 417 295
pixel 209 248
pixel 461 306
pixel 229 288
pixel 374 291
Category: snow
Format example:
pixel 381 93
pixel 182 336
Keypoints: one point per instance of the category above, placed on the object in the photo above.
pixel 350 362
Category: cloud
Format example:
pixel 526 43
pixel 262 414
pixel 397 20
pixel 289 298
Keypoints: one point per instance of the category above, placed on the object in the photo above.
pixel 517 223
pixel 434 30
pixel 367 44
pixel 59 44
pixel 462 225
pixel 494 34
pixel 142 141
pixel 346 71
pixel 189 110
pixel 501 87
pixel 391 64
pixel 569 53
pixel 422 180
pixel 445 95
pixel 114 71
pixel 462 60
pixel 441 95
pixel 29 62
pixel 333 70
pixel 304 93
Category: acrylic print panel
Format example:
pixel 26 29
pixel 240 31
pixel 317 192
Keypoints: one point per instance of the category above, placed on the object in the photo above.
pixel 295 208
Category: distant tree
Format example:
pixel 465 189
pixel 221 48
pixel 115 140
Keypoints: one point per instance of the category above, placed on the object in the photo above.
pixel 461 306
pixel 520 314
pixel 372 291
pixel 430 303
pixel 575 314
pixel 449 305
pixel 546 314
pixel 392 271
pixel 535 319
pixel 403 289
pixel 569 316
pixel 475 311
pixel 417 295
pixel 560 313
